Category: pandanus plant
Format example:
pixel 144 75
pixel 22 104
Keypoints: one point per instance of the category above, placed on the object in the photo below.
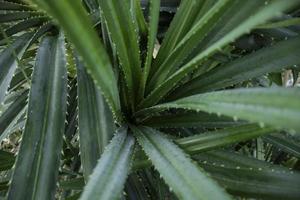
pixel 105 99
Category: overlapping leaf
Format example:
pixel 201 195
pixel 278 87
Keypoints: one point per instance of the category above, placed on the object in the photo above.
pixel 184 177
pixel 88 45
pixel 264 14
pixel 109 175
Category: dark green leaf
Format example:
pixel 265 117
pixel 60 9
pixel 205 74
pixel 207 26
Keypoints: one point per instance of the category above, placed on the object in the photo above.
pixel 220 138
pixel 96 125
pixel 37 163
pixel 12 114
pixel 249 177
pixel 8 62
pixel 153 25
pixel 7 160
pixel 285 142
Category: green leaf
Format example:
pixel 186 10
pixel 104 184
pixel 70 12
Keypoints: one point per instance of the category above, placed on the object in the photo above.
pixel 285 142
pixel 269 59
pixel 186 179
pixel 72 184
pixel 6 5
pixel 8 61
pixel 18 15
pixel 92 5
pixel 273 9
pixel 96 125
pixel 190 40
pixel 279 24
pixel 189 120
pixel 37 163
pixel 20 77
pixel 213 139
pixel 12 114
pixel 278 107
pixel 24 25
pixel 108 178
pixel 138 16
pixel 153 25
pixel 88 45
pixel 7 160
pixel 121 27
pixel 74 196
pixel 180 25
pixel 135 188
pixel 230 19
pixel 248 177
